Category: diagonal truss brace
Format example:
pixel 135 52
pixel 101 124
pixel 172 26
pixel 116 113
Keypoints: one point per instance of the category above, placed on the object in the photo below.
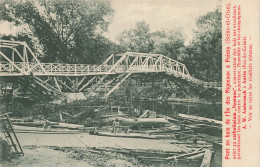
pixel 117 85
pixel 110 70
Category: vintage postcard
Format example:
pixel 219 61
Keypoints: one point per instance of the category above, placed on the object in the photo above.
pixel 125 83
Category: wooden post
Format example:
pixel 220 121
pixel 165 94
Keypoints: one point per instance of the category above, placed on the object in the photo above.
pixel 111 107
pixel 61 119
pixel 153 92
pixel 131 98
pixel 206 159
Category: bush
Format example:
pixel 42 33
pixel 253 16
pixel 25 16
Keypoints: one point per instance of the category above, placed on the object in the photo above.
pixel 5 151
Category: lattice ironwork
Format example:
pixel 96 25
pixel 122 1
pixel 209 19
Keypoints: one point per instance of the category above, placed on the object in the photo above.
pixel 58 77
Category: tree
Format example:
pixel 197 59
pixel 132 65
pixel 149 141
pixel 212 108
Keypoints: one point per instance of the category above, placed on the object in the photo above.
pixel 69 31
pixel 137 39
pixel 169 43
pixel 141 39
pixel 203 56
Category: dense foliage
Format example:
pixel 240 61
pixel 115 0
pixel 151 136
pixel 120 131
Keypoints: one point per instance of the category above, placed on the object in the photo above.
pixel 69 31
pixel 202 56
pixel 141 39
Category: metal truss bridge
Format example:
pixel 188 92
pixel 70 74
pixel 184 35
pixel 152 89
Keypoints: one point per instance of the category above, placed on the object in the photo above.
pixel 19 63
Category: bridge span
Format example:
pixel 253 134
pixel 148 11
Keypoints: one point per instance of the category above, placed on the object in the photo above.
pixel 19 63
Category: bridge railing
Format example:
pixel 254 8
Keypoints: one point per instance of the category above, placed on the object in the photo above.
pixel 73 69
pixel 10 68
pixel 51 68
pixel 58 68
pixel 87 69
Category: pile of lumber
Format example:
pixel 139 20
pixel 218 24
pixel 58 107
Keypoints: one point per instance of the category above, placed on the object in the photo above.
pixel 40 123
pixel 205 155
pixel 201 154
pixel 201 124
pixel 139 153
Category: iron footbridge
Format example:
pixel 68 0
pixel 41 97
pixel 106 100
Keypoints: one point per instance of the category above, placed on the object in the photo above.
pixel 19 62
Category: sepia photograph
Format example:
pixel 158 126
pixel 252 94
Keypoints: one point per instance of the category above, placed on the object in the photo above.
pixel 113 83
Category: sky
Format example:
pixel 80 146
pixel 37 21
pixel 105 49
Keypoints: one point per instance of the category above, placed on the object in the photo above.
pixel 159 14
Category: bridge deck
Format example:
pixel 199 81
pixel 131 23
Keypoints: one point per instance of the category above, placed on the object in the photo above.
pixel 19 60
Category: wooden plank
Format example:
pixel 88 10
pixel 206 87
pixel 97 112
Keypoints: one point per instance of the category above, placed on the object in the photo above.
pixel 184 155
pixel 144 113
pixel 143 121
pixel 198 156
pixel 33 124
pixel 171 119
pixel 186 148
pixel 206 159
pixel 71 126
pixel 200 118
pixel 152 159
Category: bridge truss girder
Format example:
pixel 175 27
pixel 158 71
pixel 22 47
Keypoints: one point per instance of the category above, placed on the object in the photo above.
pixel 56 78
